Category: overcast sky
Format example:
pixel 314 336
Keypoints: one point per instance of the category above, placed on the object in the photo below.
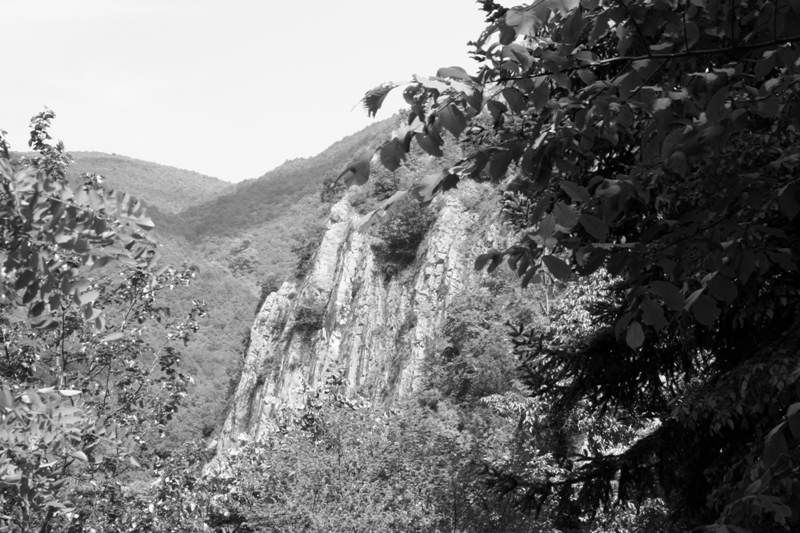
pixel 230 89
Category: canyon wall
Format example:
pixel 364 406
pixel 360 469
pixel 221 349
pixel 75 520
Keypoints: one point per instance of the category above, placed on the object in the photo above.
pixel 350 318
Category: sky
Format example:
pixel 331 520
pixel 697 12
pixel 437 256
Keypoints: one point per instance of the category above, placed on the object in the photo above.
pixel 229 88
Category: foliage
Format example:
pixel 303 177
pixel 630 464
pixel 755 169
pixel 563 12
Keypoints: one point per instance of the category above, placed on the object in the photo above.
pixel 84 391
pixel 658 141
pixel 475 358
pixel 338 465
pixel 309 316
pixel 331 189
pixel 400 237
pixel 305 247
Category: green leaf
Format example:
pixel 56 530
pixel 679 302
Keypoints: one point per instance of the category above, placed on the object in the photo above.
pixel 482 260
pixel 541 94
pixel 789 201
pixel 357 170
pixel 519 54
pixel 670 294
pixel 594 227
pixel 88 297
pixel 6 399
pixel 145 223
pixel 793 419
pixel 100 262
pixel 774 446
pixel 111 337
pixel 716 104
pixel 80 456
pixel 565 215
pixel 723 289
pixel 652 314
pixel 525 20
pixel 374 98
pixel 557 267
pixel 692 298
pixel 769 107
pixel 576 192
pixel 390 207
pixel 453 120
pixel 529 276
pixel 453 72
pixel 547 226
pixel 635 335
pixel 365 222
pixel 427 143
pixel 705 310
pixel 392 154
pixel 499 162
pixel 516 101
pixel 433 183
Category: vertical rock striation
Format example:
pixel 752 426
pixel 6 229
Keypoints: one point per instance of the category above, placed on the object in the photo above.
pixel 374 330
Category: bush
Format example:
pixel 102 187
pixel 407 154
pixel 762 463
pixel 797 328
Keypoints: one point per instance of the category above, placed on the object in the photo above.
pixel 305 248
pixel 309 317
pixel 400 237
pixel 331 189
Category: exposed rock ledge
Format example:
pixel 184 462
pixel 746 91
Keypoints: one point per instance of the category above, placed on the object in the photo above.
pixel 376 331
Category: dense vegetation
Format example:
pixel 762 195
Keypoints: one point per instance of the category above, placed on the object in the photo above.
pixel 634 369
pixel 656 142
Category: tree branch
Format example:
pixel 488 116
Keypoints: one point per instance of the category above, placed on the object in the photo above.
pixel 676 55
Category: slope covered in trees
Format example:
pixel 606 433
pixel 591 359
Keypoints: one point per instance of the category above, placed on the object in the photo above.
pixel 256 202
pixel 169 189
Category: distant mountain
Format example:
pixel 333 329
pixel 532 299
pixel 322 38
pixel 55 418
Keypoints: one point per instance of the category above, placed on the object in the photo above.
pixel 169 189
pixel 238 237
pixel 255 202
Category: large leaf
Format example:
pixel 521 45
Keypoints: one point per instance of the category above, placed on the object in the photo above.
pixel 390 207
pixel 429 144
pixel 557 267
pixel 453 72
pixel 492 256
pixel 432 184
pixel 453 120
pixel 365 222
pixel 373 100
pixel 635 335
pixel 670 294
pixel 392 154
pixel 357 170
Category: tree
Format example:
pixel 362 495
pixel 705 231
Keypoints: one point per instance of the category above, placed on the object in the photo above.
pixel 656 141
pixel 87 381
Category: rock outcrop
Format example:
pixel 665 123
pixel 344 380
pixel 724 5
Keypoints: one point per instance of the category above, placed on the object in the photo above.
pixel 347 317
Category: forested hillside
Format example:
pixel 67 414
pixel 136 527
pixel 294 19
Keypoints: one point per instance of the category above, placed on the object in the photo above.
pixel 256 202
pixel 168 188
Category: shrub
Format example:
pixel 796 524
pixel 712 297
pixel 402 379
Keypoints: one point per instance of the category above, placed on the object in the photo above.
pixel 305 247
pixel 309 317
pixel 400 237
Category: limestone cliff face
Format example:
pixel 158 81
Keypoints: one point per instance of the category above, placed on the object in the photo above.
pixel 375 330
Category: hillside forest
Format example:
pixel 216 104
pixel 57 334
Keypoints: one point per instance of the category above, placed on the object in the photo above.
pixel 628 364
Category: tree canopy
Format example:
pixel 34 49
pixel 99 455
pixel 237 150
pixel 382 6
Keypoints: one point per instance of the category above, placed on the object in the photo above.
pixel 655 141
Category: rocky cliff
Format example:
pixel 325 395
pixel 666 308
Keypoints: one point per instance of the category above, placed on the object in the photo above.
pixel 348 317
